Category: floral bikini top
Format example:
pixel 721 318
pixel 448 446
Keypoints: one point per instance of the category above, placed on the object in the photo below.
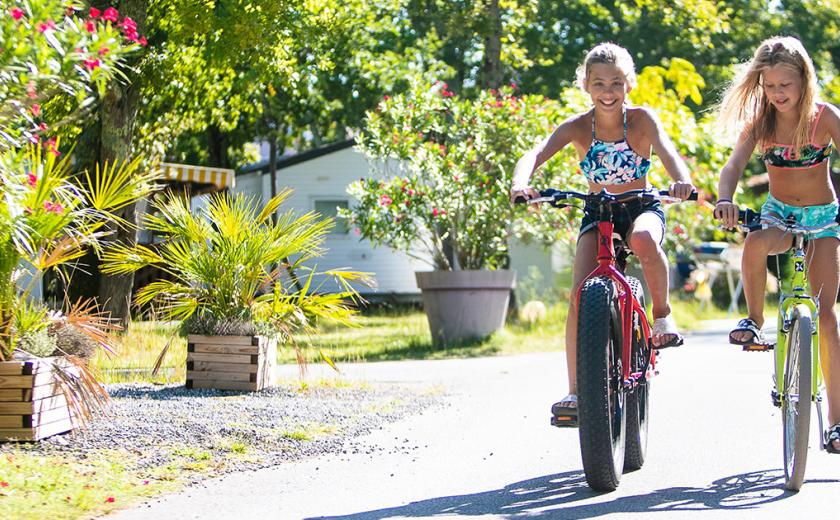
pixel 613 162
pixel 781 155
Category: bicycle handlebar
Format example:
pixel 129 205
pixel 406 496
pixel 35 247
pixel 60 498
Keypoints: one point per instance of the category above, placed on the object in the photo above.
pixel 553 196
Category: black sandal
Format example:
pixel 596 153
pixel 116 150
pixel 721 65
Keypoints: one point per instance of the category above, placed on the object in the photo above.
pixel 749 325
pixel 831 435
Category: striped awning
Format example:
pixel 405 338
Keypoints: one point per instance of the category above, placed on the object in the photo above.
pixel 220 177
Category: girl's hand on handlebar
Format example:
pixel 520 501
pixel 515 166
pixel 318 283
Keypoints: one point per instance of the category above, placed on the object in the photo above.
pixel 681 190
pixel 517 191
pixel 727 213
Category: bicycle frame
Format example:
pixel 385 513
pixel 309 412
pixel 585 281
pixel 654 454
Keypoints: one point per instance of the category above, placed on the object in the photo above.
pixel 787 303
pixel 628 305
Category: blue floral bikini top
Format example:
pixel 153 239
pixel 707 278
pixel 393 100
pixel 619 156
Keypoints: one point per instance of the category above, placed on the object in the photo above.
pixel 613 162
pixel 781 155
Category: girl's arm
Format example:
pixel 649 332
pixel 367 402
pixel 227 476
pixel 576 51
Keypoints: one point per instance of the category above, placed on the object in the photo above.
pixel 725 209
pixel 832 120
pixel 533 158
pixel 671 160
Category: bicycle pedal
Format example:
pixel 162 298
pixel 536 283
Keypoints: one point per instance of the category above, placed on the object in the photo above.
pixel 564 421
pixel 759 348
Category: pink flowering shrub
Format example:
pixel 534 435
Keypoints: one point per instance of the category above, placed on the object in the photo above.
pixel 56 57
pixel 443 170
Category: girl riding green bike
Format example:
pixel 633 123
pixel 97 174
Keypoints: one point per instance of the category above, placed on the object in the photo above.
pixel 773 107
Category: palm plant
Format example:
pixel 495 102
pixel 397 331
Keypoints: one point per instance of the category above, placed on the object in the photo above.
pixel 226 265
pixel 48 218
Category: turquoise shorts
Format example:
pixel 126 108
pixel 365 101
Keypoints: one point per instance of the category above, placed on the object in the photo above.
pixel 805 215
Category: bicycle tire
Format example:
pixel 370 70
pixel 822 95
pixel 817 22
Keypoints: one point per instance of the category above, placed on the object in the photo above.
pixel 638 400
pixel 796 399
pixel 602 416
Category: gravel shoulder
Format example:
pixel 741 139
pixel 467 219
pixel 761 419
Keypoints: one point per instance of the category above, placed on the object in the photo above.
pixel 171 433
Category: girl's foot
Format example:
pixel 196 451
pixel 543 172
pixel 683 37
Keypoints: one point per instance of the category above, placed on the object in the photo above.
pixel 748 332
pixel 664 333
pixel 832 439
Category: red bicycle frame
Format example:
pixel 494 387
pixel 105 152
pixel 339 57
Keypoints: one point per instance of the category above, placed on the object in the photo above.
pixel 628 305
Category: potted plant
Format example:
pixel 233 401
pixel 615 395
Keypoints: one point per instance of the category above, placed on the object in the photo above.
pixel 238 280
pixel 59 60
pixel 442 170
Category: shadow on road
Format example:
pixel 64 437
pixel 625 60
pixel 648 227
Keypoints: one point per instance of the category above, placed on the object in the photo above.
pixel 554 496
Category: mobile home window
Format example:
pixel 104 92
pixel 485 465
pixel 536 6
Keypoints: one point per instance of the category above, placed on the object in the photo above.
pixel 329 208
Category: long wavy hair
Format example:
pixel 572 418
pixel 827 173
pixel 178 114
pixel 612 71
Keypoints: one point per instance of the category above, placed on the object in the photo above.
pixel 746 106
pixel 611 54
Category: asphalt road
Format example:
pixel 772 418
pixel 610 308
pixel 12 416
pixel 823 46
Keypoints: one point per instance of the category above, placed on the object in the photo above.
pixel 714 452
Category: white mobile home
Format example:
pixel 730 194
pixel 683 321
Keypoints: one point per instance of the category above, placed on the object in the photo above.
pixel 319 179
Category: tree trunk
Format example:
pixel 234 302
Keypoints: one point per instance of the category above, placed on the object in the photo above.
pixel 492 69
pixel 217 147
pixel 119 108
pixel 117 115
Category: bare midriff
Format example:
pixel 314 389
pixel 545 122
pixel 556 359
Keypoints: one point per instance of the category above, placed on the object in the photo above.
pixel 638 184
pixel 802 186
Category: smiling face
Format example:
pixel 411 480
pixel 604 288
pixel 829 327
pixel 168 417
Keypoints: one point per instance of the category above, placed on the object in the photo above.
pixel 782 85
pixel 607 86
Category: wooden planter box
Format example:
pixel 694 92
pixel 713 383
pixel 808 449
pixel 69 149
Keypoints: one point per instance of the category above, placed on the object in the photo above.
pixel 231 362
pixel 32 404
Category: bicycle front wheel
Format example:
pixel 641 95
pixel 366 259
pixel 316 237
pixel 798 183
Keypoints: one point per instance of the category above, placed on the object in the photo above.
pixel 602 416
pixel 796 399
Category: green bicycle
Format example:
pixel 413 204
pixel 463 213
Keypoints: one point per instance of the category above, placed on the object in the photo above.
pixel 797 375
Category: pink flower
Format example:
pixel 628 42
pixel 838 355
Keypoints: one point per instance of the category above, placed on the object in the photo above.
pixel 103 51
pixel 386 98
pixel 129 25
pixel 4 484
pixel 94 13
pixel 91 63
pixel 678 229
pixel 90 26
pixel 111 15
pixel 143 41
pixel 385 200
pixel 54 207
pixel 52 147
pixel 31 179
pixel 49 25
pixel 110 500
pixel 30 90
pixel 145 482
pixel 16 12
pixel 36 109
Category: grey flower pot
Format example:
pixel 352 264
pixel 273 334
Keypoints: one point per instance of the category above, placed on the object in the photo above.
pixel 464 305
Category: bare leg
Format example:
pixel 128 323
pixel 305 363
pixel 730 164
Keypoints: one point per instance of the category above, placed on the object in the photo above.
pixel 585 263
pixel 824 273
pixel 758 245
pixel 644 241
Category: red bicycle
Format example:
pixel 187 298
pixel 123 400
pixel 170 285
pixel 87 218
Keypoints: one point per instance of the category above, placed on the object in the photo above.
pixel 615 363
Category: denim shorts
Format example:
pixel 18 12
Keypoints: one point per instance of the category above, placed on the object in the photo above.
pixel 805 215
pixel 624 214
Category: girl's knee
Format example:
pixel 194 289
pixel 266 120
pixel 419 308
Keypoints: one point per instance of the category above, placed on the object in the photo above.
pixel 827 315
pixel 643 244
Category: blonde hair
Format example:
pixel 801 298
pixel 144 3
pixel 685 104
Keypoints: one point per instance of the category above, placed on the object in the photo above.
pixel 611 54
pixel 745 105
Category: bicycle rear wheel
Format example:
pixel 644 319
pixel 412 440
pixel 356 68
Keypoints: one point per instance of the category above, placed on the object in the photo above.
pixel 796 399
pixel 638 400
pixel 602 414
